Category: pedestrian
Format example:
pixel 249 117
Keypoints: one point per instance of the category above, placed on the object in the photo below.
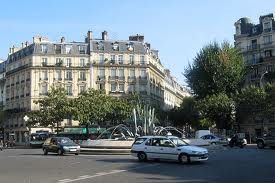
pixel 1 145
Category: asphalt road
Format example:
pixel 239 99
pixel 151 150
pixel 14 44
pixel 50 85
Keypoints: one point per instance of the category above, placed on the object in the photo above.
pixel 248 165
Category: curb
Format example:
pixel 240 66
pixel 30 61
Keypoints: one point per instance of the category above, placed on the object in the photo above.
pixel 105 151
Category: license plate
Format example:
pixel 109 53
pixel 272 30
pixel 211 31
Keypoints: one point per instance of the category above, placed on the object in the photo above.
pixel 72 150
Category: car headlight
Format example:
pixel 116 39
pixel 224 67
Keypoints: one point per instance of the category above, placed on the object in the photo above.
pixel 196 152
pixel 65 147
pixel 78 147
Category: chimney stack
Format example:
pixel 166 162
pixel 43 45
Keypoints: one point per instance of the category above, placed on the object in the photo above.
pixel 104 35
pixel 89 36
pixel 62 40
pixel 26 43
pixel 22 45
pixel 137 37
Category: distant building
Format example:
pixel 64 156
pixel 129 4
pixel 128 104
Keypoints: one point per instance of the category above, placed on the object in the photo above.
pixel 257 44
pixel 119 67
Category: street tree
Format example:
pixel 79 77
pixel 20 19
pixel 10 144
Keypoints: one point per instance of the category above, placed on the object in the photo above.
pixel 215 69
pixel 250 102
pixel 53 108
pixel 218 108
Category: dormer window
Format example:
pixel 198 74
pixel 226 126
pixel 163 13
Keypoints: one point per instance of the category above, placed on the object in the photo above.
pixel 267 26
pixel 82 49
pixel 44 48
pixel 115 46
pixel 130 47
pixel 100 46
pixel 68 49
pixel 254 30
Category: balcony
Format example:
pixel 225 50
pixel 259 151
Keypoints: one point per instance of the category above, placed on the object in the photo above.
pixel 57 79
pixel 68 79
pixel 121 78
pixel 143 79
pixel 100 78
pixel 132 79
pixel 113 77
pixel 43 94
pixel 269 59
pixel 43 79
pixel 81 79
pixel 253 47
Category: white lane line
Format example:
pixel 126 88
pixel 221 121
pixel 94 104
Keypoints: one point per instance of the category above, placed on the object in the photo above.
pixel 75 163
pixel 102 174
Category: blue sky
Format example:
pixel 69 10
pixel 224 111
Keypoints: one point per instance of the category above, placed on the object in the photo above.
pixel 178 28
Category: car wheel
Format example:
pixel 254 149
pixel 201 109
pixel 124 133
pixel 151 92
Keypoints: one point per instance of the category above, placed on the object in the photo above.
pixel 142 156
pixel 213 143
pixel 45 151
pixel 260 144
pixel 60 152
pixel 184 158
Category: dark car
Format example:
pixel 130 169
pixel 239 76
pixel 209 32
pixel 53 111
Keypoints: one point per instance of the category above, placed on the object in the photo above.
pixel 60 145
pixel 267 140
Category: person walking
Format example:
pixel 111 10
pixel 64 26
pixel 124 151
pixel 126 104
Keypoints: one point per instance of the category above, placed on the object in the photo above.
pixel 1 145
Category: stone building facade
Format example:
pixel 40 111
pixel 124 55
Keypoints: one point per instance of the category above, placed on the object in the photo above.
pixel 257 45
pixel 119 67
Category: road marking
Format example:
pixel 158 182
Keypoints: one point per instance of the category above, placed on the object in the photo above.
pixel 99 174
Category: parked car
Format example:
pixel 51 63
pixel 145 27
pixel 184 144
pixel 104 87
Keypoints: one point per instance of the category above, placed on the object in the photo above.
pixel 212 139
pixel 170 148
pixel 268 140
pixel 60 145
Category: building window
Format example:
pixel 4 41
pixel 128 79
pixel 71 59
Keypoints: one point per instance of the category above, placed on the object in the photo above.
pixel 57 49
pixel 82 76
pixel 254 30
pixel 44 75
pixel 69 75
pixel 68 49
pixel 44 48
pixel 131 59
pixel 142 60
pixel 121 87
pixel 268 53
pixel 113 87
pixel 101 73
pixel 101 59
pixel 115 47
pixel 44 61
pixel 131 88
pixel 121 73
pixel 120 59
pixel 82 62
pixel 267 26
pixel 58 75
pixel 113 58
pixel 132 73
pixel 113 72
pixel 44 89
pixel 143 73
pixel 69 90
pixel 130 47
pixel 82 49
pixel 58 61
pixel 100 46
pixel 68 62
pixel 82 88
pixel 268 39
pixel 142 88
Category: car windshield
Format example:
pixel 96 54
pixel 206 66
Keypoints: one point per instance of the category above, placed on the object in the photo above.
pixel 39 137
pixel 65 141
pixel 178 142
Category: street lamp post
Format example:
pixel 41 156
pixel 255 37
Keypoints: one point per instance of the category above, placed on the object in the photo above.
pixel 261 85
pixel 26 119
pixel 262 76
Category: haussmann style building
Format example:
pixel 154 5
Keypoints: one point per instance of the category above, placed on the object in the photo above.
pixel 257 45
pixel 119 67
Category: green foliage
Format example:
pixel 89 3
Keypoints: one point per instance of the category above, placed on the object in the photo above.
pixel 53 108
pixel 187 113
pixel 216 69
pixel 270 101
pixel 218 108
pixel 249 102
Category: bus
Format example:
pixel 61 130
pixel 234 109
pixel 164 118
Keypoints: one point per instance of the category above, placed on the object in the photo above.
pixel 37 139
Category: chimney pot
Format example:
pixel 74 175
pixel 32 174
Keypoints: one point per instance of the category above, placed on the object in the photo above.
pixel 104 35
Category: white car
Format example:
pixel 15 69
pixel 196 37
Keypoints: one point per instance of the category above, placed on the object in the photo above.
pixel 212 139
pixel 170 148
